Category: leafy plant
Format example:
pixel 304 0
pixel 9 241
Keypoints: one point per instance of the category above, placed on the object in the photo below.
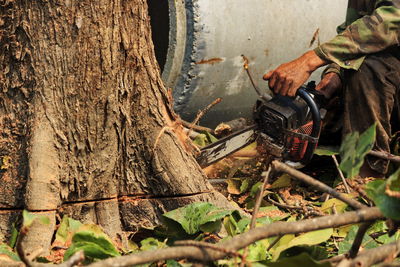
pixel 353 150
pixel 94 242
pixel 308 239
pixel 300 260
pixel 200 216
pixel 377 191
pixel 346 244
pixel 204 139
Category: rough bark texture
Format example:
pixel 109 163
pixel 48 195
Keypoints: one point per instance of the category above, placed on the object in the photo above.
pixel 85 123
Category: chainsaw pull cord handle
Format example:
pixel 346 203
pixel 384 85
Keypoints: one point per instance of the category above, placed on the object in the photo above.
pixel 316 118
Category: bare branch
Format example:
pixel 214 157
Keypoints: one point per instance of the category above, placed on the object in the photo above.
pixel 358 239
pixel 201 113
pixel 197 127
pixel 370 257
pixel 385 155
pixel 279 166
pixel 74 260
pixel 245 239
pixel 211 246
pixel 259 198
pixel 346 186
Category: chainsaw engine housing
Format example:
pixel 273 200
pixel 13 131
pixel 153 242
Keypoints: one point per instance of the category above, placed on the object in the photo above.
pixel 289 122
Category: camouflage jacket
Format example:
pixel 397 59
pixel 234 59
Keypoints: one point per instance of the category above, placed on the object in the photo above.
pixel 371 26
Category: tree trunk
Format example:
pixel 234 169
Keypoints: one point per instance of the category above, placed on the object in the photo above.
pixel 86 125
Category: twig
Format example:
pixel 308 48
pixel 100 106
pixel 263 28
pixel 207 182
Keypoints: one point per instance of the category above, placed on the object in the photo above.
pixel 373 256
pixel 211 246
pixel 259 198
pixel 385 155
pixel 284 206
pixel 315 37
pixel 245 239
pixel 355 247
pixel 389 265
pixel 346 186
pixel 335 259
pixel 308 211
pixel 279 166
pixel 201 113
pixel 256 88
pixel 74 260
pixel 390 192
pixel 257 205
pixel 274 242
pixel 197 128
pixel 360 191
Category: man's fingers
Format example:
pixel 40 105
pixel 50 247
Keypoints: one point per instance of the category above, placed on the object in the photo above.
pixel 279 86
pixel 287 88
pixel 267 76
pixel 272 82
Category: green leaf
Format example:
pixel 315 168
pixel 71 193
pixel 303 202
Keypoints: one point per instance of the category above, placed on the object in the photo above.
pixel 91 250
pixel 283 181
pixel 245 185
pixel 326 151
pixel 93 242
pixel 306 239
pixel 14 236
pixel 257 252
pixel 255 188
pixel 151 243
pixel 235 224
pixel 345 245
pixel 393 182
pixel 210 138
pixel 29 217
pixel 211 227
pixel 300 260
pixel 66 229
pixel 204 139
pixel 234 186
pixel 353 150
pixel 8 252
pixel 328 206
pixel 389 206
pixel 194 215
pixel 200 140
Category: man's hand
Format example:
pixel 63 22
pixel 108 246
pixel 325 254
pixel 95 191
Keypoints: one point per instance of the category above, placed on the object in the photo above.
pixel 288 77
pixel 329 84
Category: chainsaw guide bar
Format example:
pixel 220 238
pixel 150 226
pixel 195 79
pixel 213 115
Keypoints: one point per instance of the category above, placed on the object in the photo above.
pixel 226 146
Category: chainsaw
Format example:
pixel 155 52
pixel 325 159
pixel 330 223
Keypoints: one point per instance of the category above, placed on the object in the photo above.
pixel 285 127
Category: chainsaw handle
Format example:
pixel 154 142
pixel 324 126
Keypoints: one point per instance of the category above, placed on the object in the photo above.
pixel 316 117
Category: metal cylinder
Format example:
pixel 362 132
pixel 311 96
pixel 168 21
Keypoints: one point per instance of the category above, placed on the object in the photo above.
pixel 199 45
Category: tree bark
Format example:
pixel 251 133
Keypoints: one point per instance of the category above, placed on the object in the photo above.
pixel 86 125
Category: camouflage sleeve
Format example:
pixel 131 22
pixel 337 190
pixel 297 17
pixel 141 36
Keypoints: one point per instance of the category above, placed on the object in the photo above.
pixel 333 67
pixel 366 35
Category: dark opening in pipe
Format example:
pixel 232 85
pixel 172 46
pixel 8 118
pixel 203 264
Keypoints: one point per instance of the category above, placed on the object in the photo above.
pixel 159 20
